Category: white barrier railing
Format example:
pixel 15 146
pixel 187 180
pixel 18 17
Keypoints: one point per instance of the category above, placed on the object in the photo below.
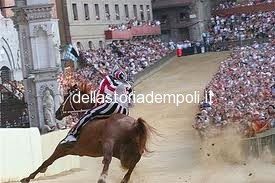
pixel 23 150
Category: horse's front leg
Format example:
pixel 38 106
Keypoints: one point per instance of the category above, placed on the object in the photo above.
pixel 107 158
pixel 59 152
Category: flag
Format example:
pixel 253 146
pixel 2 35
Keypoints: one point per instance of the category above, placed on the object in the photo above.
pixel 70 53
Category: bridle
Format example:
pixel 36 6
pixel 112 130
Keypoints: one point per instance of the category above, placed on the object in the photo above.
pixel 69 99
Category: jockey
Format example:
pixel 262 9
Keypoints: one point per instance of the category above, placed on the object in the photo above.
pixel 112 87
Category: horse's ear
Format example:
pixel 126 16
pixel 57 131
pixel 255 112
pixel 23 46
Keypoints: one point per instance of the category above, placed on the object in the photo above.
pixel 89 88
pixel 81 87
pixel 74 86
pixel 85 88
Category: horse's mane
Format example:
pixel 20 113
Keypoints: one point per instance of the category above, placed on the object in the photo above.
pixel 85 88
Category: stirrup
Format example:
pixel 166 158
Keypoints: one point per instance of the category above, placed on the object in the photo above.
pixel 70 139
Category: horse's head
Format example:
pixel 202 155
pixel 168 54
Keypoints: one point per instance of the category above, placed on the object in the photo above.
pixel 72 102
pixel 68 104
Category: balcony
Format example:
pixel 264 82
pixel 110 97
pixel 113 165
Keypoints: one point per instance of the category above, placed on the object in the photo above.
pixel 118 34
pixel 264 7
pixel 133 32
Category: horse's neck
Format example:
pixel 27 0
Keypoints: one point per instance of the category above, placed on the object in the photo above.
pixel 87 106
pixel 84 106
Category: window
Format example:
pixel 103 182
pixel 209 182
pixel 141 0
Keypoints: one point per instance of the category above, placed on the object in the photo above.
pixel 148 12
pixel 97 14
pixel 78 44
pixel 86 10
pixel 141 12
pixel 126 11
pixel 107 12
pixel 75 14
pixel 100 44
pixel 5 74
pixel 135 11
pixel 163 19
pixel 117 12
pixel 183 16
pixel 90 44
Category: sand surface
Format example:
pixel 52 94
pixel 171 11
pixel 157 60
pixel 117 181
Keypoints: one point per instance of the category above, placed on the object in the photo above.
pixel 178 155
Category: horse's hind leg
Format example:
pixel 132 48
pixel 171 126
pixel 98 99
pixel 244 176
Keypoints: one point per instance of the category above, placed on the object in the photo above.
pixel 58 153
pixel 107 158
pixel 126 178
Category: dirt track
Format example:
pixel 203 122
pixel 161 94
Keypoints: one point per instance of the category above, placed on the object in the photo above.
pixel 178 156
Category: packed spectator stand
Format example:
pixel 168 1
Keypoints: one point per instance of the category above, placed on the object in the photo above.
pixel 131 24
pixel 244 83
pixel 238 23
pixel 244 86
pixel 242 90
pixel 223 30
pixel 131 29
pixel 229 4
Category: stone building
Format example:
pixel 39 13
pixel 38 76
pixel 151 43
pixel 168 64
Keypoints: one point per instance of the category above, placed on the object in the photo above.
pixel 10 63
pixel 83 22
pixel 182 19
pixel 39 49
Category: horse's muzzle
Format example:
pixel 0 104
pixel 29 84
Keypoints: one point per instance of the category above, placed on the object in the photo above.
pixel 58 115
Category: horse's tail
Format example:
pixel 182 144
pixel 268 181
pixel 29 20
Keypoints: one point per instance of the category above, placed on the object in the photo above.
pixel 144 131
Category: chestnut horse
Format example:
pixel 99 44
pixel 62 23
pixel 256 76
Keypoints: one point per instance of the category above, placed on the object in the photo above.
pixel 119 136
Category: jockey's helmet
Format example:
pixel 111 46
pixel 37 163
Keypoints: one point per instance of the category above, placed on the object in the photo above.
pixel 119 74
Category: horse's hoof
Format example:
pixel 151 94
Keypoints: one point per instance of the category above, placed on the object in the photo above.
pixel 25 180
pixel 124 181
pixel 102 179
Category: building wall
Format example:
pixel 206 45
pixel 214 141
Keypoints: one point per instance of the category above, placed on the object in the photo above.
pixel 83 30
pixel 203 11
pixel 173 27
pixel 62 15
pixel 9 48
pixel 179 29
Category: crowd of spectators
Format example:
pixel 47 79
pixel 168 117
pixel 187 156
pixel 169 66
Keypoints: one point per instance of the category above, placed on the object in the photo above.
pixel 226 4
pixel 16 88
pixel 190 47
pixel 243 92
pixel 132 23
pixel 238 28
